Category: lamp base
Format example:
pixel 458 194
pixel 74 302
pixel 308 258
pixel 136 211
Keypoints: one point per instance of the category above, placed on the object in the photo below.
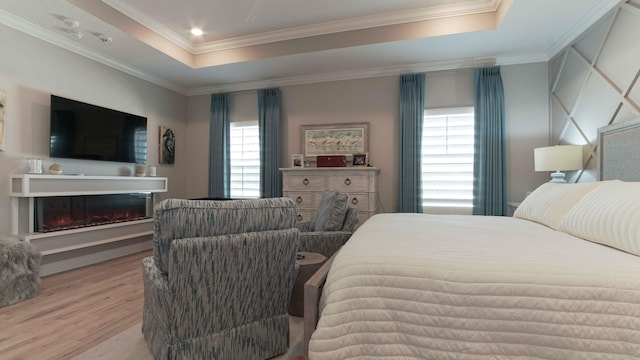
pixel 557 177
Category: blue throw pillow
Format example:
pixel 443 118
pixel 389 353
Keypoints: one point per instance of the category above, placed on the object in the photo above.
pixel 331 212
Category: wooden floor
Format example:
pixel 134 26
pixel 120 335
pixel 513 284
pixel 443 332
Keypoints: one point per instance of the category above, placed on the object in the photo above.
pixel 74 311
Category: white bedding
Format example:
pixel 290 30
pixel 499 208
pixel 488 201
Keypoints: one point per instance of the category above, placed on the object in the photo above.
pixel 474 287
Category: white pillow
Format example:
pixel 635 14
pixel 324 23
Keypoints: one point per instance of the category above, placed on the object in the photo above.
pixel 550 202
pixel 609 215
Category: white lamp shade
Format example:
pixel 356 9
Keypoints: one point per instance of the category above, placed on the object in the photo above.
pixel 558 158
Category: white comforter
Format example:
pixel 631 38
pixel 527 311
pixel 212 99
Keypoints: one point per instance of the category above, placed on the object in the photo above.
pixel 473 287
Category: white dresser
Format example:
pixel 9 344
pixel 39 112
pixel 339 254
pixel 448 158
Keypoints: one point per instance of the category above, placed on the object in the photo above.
pixel 306 185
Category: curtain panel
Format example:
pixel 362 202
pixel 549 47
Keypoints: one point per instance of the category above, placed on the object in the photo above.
pixel 270 149
pixel 489 188
pixel 411 118
pixel 219 152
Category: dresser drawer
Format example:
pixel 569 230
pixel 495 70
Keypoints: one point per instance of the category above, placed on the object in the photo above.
pixel 304 200
pixel 359 201
pixel 305 182
pixel 349 183
pixel 306 215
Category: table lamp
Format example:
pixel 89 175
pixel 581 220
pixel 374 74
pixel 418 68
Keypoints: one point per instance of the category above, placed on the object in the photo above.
pixel 558 158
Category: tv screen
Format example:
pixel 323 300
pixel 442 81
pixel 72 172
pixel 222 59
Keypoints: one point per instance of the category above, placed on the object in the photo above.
pixel 90 132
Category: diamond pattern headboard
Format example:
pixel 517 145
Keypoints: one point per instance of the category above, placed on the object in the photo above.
pixel 619 151
pixel 595 82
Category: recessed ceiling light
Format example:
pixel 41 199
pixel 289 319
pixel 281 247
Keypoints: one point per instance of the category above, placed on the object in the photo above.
pixel 196 32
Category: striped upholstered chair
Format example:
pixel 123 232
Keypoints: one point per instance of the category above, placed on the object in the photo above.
pixel 333 225
pixel 219 281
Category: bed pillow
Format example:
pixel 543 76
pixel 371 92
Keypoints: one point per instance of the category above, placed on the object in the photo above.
pixel 550 202
pixel 609 215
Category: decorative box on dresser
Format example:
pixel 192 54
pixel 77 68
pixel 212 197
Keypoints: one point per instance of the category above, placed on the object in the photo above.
pixel 306 185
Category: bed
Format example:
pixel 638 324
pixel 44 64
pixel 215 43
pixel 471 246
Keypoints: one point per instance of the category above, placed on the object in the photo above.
pixel 559 280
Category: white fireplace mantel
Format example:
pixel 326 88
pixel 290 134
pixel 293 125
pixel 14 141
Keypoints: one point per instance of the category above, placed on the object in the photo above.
pixel 26 187
pixel 31 185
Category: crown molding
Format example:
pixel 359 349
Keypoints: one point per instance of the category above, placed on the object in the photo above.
pixel 592 17
pixel 64 43
pixel 151 23
pixel 348 75
pixel 358 23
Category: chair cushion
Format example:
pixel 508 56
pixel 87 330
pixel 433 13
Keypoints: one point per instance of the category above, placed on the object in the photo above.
pixel 330 214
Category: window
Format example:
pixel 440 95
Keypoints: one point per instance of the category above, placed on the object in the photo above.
pixel 447 159
pixel 140 145
pixel 245 160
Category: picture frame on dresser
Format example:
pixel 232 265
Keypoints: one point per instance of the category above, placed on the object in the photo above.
pixel 297 160
pixel 360 159
pixel 334 139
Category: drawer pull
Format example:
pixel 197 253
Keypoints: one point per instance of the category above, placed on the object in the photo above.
pixel 347 181
pixel 305 181
pixel 299 200
pixel 299 217
pixel 354 201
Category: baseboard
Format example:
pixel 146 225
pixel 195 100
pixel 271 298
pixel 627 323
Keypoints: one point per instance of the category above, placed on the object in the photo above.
pixel 89 256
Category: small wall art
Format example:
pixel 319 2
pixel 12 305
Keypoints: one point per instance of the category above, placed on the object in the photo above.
pixel 2 106
pixel 167 153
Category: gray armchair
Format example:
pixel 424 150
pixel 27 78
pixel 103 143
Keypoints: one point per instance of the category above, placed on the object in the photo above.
pixel 219 281
pixel 333 225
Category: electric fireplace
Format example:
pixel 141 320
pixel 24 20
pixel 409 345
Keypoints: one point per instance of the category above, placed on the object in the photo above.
pixel 56 213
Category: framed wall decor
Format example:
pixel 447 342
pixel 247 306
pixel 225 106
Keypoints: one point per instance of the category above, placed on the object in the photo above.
pixel 334 139
pixel 167 153
pixel 361 159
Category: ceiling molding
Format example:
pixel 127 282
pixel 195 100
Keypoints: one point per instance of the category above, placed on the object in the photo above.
pixel 65 43
pixel 594 15
pixel 363 22
pixel 151 23
pixel 348 75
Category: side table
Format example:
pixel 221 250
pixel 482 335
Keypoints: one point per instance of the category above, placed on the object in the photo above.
pixel 309 263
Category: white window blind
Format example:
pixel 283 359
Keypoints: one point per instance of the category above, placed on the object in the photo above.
pixel 245 160
pixel 447 158
pixel 140 142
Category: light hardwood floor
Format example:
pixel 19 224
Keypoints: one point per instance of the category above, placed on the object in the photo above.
pixel 74 311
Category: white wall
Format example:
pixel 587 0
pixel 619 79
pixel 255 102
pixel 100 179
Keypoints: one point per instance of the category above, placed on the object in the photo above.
pixel 527 125
pixel 31 70
pixel 375 100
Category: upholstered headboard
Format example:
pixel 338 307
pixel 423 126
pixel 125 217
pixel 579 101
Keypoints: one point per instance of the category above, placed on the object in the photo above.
pixel 619 151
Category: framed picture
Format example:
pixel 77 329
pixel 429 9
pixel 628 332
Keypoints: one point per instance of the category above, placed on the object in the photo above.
pixel 334 139
pixel 167 153
pixel 297 160
pixel 361 159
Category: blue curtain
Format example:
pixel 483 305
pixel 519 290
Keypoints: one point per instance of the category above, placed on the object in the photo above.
pixel 411 118
pixel 219 152
pixel 269 128
pixel 489 188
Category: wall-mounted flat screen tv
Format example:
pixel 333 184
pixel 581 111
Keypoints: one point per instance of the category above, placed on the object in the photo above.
pixel 84 131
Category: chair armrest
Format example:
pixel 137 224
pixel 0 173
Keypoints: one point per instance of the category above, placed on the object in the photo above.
pixel 305 226
pixel 158 296
pixel 323 242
